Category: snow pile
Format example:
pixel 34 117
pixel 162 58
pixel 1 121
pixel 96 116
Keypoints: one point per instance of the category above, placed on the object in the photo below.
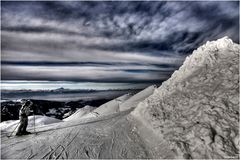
pixel 133 101
pixel 39 121
pixel 79 113
pixel 196 111
pixel 108 108
pixel 121 103
pixel 6 125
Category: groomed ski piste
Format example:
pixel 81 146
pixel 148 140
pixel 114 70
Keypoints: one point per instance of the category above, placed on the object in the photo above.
pixel 194 114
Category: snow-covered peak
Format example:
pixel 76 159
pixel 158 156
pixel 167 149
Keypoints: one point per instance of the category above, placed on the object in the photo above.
pixel 208 53
pixel 224 42
pixel 205 57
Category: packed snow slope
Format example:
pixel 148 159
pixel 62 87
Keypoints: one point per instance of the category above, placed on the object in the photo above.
pixel 121 103
pixel 196 111
pixel 110 107
pixel 79 113
pixel 133 101
pixel 112 136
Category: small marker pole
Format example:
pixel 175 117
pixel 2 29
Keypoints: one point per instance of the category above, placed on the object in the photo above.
pixel 13 130
pixel 34 119
pixel 34 123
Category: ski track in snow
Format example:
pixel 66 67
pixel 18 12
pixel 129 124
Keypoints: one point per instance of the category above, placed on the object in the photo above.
pixel 102 138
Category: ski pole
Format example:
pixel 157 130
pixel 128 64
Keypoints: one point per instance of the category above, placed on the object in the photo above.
pixel 34 119
pixel 13 130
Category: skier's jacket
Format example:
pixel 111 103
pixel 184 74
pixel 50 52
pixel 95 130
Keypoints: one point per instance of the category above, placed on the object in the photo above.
pixel 25 110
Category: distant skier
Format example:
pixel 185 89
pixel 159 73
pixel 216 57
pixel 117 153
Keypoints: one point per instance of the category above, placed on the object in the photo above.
pixel 23 117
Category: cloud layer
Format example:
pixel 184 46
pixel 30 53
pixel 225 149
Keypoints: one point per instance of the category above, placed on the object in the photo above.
pixel 108 41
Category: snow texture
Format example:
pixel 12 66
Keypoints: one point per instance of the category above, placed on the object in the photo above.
pixel 196 111
pixel 133 101
pixel 108 108
pixel 112 136
pixel 39 121
pixel 79 113
pixel 121 103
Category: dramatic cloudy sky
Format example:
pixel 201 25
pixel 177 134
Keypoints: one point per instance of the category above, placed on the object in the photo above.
pixel 110 42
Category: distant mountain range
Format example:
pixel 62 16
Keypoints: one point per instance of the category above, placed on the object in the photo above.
pixel 63 90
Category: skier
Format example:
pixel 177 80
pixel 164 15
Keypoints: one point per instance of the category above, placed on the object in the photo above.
pixel 5 114
pixel 23 116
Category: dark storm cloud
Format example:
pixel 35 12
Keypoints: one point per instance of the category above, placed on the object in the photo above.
pixel 146 37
